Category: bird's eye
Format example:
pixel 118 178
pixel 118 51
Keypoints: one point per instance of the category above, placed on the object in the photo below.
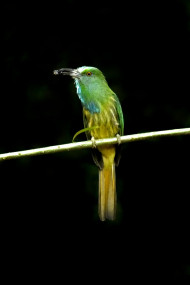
pixel 89 73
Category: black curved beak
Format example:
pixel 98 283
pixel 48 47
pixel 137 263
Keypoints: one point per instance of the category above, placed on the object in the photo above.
pixel 67 71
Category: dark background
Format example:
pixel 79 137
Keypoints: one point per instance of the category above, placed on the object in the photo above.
pixel 50 223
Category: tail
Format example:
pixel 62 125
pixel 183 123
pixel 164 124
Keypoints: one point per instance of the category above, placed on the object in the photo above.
pixel 107 192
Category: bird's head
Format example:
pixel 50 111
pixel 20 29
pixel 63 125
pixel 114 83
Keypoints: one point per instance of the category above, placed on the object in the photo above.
pixel 91 85
pixel 86 75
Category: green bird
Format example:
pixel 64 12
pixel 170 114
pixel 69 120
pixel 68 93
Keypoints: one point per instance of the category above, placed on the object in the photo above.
pixel 103 118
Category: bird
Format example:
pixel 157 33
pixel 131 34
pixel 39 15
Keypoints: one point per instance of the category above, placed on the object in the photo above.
pixel 102 118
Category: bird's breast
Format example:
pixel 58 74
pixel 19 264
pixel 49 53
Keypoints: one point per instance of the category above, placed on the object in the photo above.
pixel 104 124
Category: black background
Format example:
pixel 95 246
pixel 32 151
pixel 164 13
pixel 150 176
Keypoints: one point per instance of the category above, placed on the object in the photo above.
pixel 50 224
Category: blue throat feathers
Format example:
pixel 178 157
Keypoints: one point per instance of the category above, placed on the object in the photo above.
pixel 87 103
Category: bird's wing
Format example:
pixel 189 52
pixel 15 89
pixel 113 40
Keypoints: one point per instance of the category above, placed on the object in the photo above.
pixel 121 128
pixel 119 115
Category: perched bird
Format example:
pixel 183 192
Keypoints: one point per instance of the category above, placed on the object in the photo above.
pixel 103 118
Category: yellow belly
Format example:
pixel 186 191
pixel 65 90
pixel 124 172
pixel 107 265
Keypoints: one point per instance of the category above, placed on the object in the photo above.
pixel 105 122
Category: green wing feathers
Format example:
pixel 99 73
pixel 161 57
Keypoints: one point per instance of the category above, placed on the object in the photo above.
pixel 119 115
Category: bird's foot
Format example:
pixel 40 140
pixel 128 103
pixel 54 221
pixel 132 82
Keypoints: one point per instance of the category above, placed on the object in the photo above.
pixel 118 139
pixel 93 142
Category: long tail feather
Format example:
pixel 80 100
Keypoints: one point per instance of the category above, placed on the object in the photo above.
pixel 107 193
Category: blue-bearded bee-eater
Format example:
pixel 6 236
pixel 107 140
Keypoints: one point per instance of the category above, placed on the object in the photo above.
pixel 103 118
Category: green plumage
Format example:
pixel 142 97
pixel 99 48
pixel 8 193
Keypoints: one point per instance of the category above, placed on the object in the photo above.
pixel 102 115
